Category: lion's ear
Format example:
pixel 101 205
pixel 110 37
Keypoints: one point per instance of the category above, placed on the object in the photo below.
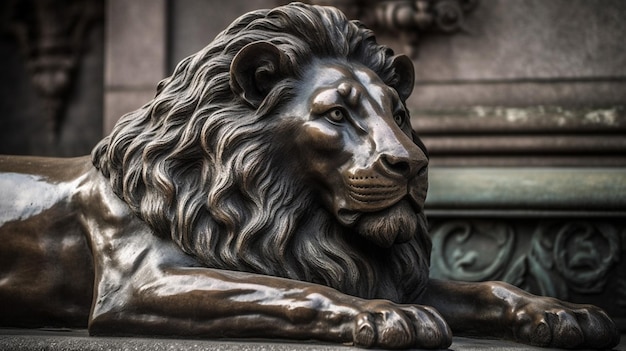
pixel 405 76
pixel 255 70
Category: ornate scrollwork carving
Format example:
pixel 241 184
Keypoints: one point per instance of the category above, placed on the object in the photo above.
pixel 581 252
pixel 408 19
pixel 445 16
pixel 471 250
pixel 557 258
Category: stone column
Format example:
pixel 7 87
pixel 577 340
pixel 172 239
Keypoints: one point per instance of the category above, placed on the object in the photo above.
pixel 135 59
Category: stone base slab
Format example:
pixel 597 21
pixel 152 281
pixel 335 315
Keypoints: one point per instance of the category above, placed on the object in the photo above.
pixel 70 340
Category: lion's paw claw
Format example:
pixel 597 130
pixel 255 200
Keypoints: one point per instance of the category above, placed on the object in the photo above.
pixel 549 322
pixel 365 332
pixel 388 325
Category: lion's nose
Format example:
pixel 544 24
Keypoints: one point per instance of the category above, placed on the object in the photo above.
pixel 403 166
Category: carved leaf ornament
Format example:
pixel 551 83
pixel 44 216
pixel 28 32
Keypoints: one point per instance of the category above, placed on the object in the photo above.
pixel 471 251
pixel 560 257
pixel 583 254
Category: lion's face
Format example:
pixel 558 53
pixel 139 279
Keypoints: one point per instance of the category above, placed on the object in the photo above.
pixel 355 145
pixel 350 135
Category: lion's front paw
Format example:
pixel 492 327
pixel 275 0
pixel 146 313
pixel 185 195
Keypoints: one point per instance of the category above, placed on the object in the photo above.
pixel 388 325
pixel 550 322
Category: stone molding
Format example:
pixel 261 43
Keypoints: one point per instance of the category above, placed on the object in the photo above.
pixel 530 136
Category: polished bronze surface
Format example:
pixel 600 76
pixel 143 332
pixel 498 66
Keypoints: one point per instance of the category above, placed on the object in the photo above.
pixel 273 188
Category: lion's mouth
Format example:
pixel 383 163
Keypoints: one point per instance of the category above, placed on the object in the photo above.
pixel 373 193
pixel 370 194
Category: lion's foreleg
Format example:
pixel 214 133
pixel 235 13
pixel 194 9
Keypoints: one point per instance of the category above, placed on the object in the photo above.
pixel 214 303
pixel 502 310
pixel 200 301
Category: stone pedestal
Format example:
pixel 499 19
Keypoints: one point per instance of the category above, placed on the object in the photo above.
pixel 70 340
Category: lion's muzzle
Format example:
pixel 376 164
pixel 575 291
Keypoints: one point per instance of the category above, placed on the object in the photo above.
pixel 372 192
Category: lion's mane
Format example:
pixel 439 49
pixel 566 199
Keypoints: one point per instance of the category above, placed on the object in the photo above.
pixel 199 165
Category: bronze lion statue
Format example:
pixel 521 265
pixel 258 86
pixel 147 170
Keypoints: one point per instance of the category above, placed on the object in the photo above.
pixel 274 187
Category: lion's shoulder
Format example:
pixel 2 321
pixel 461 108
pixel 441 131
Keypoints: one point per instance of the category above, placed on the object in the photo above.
pixel 31 185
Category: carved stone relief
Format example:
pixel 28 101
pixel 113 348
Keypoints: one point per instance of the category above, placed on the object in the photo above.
pixel 459 249
pixel 559 258
pixel 574 255
pixel 410 20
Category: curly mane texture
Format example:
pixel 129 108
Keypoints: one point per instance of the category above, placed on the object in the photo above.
pixel 202 167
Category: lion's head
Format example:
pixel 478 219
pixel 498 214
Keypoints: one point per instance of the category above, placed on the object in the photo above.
pixel 284 148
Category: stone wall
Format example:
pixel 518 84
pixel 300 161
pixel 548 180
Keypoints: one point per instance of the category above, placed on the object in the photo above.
pixel 525 83
pixel 146 39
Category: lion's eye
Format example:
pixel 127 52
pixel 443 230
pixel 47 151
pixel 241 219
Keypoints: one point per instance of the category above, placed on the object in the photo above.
pixel 336 115
pixel 399 119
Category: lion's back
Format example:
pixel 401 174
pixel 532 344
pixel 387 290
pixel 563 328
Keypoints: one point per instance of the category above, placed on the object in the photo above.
pixel 46 269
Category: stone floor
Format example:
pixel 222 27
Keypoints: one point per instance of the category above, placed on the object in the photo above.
pixel 69 340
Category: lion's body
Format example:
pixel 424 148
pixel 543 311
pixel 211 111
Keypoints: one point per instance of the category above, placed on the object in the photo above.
pixel 40 218
pixel 274 187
